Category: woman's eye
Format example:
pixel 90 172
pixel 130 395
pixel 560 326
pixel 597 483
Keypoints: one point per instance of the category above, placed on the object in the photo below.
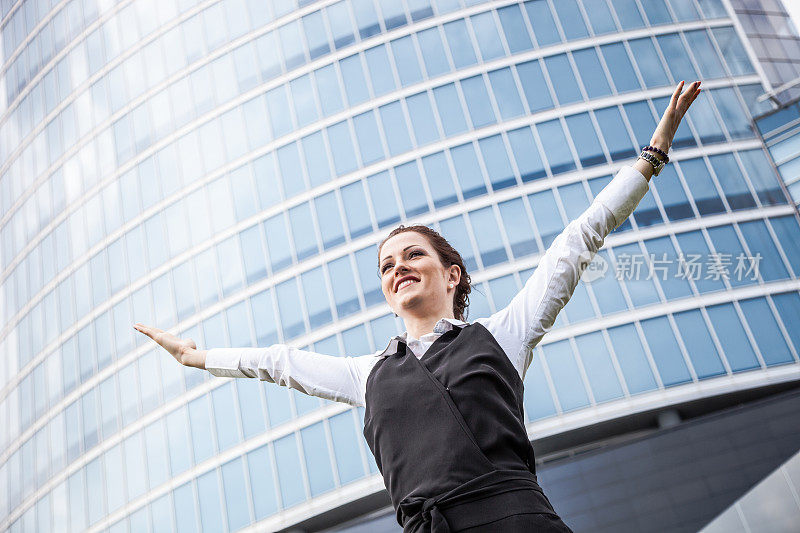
pixel 410 254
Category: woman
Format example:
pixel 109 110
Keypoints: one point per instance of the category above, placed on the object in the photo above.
pixel 443 402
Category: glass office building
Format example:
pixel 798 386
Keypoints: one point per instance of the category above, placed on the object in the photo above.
pixel 780 129
pixel 224 169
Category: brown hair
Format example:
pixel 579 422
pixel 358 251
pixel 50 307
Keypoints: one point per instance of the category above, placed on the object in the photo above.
pixel 447 256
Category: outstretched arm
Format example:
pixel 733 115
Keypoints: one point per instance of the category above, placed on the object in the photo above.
pixel 339 379
pixel 532 312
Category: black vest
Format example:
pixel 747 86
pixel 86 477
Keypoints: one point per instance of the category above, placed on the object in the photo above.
pixel 448 429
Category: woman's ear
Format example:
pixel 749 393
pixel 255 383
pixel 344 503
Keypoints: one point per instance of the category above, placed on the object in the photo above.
pixel 455 275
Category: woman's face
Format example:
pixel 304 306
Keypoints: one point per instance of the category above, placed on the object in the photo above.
pixel 413 279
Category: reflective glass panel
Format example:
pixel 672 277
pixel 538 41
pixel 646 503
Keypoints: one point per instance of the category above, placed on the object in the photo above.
pixel 489 42
pixel 666 353
pixel 460 44
pixel 369 139
pixel 200 424
pixel 538 398
pixel 288 464
pixel 526 154
pixel 380 70
pixel 345 446
pixel 236 507
pixel 316 298
pixel 498 166
pixel 535 86
pixel 514 29
pixel 620 67
pixel 440 180
pixel 615 133
pixel 354 200
pixel 732 181
pixel 280 253
pixel 384 199
pixel 505 93
pixel 584 135
pixel 632 359
pixel 562 77
pixel 731 336
pixel 318 464
pixel 478 103
pixel 209 501
pixel 291 315
pixel 433 53
pixel 454 230
pixel 566 375
pixel 704 191
pixel 423 119
pixel 330 220
pixel 394 128
pixel 487 236
pixel 698 343
pixel 450 111
pixel 468 171
pixel 405 58
pixel 355 84
pixel 542 21
pixel 591 71
pixel 599 367
pixel 555 146
pixel 412 194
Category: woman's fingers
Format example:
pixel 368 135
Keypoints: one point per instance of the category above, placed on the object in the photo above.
pixel 688 97
pixel 166 340
pixel 676 95
pixel 144 329
pixel 673 114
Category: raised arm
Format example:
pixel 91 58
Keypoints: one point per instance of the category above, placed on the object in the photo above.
pixel 532 312
pixel 340 379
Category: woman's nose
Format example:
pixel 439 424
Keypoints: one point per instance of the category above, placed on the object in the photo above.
pixel 400 269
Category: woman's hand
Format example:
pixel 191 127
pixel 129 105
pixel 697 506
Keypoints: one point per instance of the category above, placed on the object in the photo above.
pixel 183 350
pixel 671 119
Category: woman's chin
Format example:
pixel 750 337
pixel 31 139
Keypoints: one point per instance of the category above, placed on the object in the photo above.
pixel 410 300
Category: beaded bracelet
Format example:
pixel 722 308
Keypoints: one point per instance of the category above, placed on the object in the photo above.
pixel 662 153
pixel 656 163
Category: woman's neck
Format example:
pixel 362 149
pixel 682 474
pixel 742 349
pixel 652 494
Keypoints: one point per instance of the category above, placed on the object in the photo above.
pixel 419 326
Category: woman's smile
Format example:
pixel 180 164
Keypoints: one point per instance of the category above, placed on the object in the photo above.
pixel 405 283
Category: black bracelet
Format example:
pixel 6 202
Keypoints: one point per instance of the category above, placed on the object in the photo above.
pixel 659 152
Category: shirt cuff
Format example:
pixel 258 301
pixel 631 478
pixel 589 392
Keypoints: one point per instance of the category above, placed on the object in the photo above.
pixel 623 193
pixel 224 363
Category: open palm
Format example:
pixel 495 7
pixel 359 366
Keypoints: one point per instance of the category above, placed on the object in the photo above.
pixel 174 345
pixel 671 119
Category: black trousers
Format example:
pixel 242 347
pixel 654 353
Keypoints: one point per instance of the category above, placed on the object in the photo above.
pixel 507 512
pixel 526 522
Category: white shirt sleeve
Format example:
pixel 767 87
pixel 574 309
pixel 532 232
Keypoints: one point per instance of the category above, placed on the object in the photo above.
pixel 531 313
pixel 341 379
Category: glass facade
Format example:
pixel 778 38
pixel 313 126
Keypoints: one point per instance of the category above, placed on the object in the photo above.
pixel 780 130
pixel 773 36
pixel 225 169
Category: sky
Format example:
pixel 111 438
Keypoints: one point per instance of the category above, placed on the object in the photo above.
pixel 793 7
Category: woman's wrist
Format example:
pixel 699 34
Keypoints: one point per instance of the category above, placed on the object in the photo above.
pixel 645 168
pixel 661 144
pixel 194 358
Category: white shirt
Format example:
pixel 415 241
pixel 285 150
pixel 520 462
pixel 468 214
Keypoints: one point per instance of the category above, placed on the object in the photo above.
pixel 518 327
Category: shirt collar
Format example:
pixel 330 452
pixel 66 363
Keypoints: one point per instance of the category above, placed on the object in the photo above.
pixel 444 325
